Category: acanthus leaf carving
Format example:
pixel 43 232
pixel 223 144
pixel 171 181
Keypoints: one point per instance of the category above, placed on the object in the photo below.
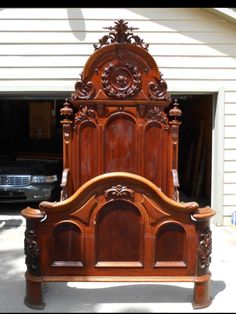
pixel 155 114
pixel 119 34
pixel 31 250
pixel 85 113
pixel 205 248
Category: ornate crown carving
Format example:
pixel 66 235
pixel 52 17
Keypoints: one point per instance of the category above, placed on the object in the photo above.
pixel 119 34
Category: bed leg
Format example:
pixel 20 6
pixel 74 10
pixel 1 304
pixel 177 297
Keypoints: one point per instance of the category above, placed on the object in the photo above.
pixel 33 298
pixel 201 297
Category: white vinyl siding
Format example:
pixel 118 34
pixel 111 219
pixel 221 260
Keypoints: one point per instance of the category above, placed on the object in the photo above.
pixel 45 49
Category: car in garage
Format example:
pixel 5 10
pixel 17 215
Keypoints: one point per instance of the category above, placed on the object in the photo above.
pixel 30 178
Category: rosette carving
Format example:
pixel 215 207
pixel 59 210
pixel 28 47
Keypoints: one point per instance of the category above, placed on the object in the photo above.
pixel 119 34
pixel 121 82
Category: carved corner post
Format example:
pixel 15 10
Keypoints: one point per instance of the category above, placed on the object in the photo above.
pixel 202 283
pixel 67 112
pixel 175 112
pixel 32 258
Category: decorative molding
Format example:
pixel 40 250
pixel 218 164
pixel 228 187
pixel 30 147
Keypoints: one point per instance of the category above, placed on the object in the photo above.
pixel 31 252
pixel 205 248
pixel 119 34
pixel 119 192
pixel 158 90
pixel 121 82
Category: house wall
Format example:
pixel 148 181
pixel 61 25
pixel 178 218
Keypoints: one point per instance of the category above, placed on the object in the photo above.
pixel 45 49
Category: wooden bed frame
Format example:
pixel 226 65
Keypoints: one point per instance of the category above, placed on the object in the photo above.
pixel 119 217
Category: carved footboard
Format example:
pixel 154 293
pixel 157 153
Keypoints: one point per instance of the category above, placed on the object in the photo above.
pixel 118 227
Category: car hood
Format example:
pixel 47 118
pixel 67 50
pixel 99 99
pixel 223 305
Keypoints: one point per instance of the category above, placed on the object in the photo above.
pixel 29 167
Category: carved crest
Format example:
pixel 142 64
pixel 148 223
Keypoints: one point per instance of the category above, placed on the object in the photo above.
pixel 122 81
pixel 31 252
pixel 119 191
pixel 119 34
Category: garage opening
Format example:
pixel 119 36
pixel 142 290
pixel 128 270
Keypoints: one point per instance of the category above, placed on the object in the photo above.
pixel 32 126
pixel 31 151
pixel 195 148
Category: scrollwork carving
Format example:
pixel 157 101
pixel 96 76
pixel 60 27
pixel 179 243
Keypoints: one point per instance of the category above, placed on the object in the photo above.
pixel 83 90
pixel 121 82
pixel 119 34
pixel 158 90
pixel 118 192
pixel 205 248
pixel 31 250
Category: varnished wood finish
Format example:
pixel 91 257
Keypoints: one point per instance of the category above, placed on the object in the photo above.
pixel 119 218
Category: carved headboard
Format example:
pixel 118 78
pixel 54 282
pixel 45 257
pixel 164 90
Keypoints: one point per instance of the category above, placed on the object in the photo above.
pixel 121 117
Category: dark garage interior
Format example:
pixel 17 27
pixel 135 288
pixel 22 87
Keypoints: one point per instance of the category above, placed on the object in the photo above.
pixel 32 127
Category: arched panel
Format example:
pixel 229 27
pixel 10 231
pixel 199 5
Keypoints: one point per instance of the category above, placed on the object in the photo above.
pixel 88 167
pixel 67 244
pixel 121 144
pixel 170 245
pixel 119 233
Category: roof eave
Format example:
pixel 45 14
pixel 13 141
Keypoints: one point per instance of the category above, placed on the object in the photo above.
pixel 226 13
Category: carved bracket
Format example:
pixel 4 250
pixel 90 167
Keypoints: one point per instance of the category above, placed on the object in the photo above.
pixel 31 252
pixel 119 34
pixel 119 192
pixel 205 248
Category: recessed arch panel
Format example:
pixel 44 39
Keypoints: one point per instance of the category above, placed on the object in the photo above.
pixel 119 233
pixel 170 245
pixel 121 144
pixel 67 243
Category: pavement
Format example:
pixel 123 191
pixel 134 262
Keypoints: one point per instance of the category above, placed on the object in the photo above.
pixel 111 297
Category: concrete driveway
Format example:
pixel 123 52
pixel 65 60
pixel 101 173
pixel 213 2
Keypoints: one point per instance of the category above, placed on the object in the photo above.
pixel 114 297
